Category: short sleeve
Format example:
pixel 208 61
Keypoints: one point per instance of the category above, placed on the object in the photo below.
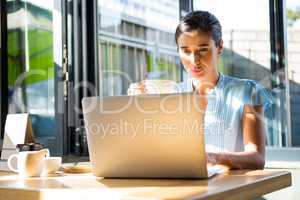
pixel 259 95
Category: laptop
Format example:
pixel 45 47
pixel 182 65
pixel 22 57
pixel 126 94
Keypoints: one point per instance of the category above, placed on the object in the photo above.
pixel 146 136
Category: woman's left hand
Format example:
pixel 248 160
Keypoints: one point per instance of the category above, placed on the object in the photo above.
pixel 212 161
pixel 211 158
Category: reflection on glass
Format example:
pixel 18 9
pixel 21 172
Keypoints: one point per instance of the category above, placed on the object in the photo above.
pixel 30 62
pixel 293 46
pixel 134 43
pixel 247 54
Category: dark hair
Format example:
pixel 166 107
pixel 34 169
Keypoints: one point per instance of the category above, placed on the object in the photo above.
pixel 200 21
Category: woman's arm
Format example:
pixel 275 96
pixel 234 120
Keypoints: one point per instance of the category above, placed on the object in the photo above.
pixel 253 157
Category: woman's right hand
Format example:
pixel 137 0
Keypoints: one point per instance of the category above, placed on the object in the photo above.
pixel 153 87
pixel 137 88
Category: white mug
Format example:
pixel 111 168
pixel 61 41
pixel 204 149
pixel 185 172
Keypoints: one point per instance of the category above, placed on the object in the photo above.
pixel 29 163
pixel 51 164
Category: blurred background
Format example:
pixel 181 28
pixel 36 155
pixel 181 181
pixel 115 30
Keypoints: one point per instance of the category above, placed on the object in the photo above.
pixel 54 52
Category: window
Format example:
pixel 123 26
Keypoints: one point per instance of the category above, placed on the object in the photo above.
pixel 3 69
pixel 31 67
pixel 293 57
pixel 135 44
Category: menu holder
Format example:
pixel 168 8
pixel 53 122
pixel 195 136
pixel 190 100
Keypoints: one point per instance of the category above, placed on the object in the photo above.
pixel 18 130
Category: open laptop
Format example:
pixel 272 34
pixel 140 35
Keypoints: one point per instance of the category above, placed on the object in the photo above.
pixel 146 136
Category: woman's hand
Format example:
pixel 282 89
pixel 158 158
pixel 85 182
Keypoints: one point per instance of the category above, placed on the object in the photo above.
pixel 211 158
pixel 253 156
pixel 235 160
pixel 212 161
pixel 137 88
pixel 152 87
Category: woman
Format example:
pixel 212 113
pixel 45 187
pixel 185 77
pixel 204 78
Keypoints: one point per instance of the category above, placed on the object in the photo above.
pixel 234 131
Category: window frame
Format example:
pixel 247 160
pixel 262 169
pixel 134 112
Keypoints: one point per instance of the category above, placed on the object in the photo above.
pixel 3 67
pixel 79 66
pixel 185 6
pixel 278 44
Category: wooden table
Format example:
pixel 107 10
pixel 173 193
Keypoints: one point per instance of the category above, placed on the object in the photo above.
pixel 235 184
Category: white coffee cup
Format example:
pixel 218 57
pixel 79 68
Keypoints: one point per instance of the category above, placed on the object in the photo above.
pixel 51 164
pixel 29 163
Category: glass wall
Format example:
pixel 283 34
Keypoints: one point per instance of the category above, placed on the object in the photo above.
pixel 30 62
pixel 2 107
pixel 1 55
pixel 247 54
pixel 293 57
pixel 135 43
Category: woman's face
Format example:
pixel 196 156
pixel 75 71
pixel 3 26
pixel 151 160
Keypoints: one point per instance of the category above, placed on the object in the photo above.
pixel 199 54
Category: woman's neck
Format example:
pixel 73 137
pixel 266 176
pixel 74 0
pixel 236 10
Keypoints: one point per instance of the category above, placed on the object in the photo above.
pixel 205 86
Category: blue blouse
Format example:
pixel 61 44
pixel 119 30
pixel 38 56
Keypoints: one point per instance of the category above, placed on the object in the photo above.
pixel 223 116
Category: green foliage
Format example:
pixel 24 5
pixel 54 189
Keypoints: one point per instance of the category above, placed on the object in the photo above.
pixel 170 67
pixel 292 16
pixel 150 65
pixel 40 49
